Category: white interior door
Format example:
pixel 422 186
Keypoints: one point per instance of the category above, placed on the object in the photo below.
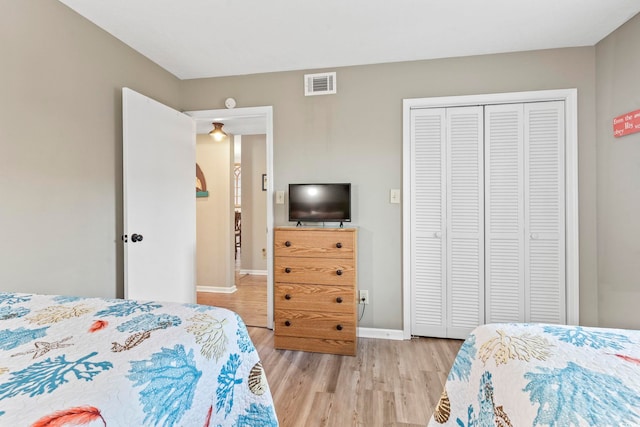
pixel 504 198
pixel 544 141
pixel 525 202
pixel 531 210
pixel 428 201
pixel 465 220
pixel 447 215
pixel 159 201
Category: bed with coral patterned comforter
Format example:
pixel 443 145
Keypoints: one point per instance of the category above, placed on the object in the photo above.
pixel 543 375
pixel 91 361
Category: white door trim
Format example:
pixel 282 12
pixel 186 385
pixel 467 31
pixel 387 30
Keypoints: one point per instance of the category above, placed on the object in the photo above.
pixel 267 113
pixel 570 97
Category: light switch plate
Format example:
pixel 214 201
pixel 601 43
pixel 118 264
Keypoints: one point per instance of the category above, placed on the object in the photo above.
pixel 394 196
pixel 280 197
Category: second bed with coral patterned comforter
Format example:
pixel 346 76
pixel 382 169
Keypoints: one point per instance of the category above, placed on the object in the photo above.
pixel 99 362
pixel 543 375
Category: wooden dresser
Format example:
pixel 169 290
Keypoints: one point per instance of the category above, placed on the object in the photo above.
pixel 315 289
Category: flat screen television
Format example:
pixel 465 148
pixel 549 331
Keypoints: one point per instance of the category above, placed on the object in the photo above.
pixel 320 202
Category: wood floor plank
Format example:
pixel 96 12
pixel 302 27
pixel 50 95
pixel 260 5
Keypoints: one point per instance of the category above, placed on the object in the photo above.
pixel 388 383
pixel 249 301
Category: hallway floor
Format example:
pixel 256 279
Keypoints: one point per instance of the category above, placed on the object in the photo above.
pixel 249 301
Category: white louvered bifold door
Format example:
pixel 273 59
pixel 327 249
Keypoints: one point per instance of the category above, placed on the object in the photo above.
pixel 544 212
pixel 504 225
pixel 428 292
pixel 465 220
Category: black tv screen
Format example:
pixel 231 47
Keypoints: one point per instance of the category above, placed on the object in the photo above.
pixel 320 202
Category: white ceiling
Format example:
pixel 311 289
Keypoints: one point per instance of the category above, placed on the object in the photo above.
pixel 233 124
pixel 211 38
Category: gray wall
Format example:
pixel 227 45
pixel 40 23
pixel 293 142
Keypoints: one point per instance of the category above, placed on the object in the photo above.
pixel 356 136
pixel 618 92
pixel 61 148
pixel 254 203
pixel 214 246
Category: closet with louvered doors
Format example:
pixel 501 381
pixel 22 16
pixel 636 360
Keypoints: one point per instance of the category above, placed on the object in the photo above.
pixel 487 215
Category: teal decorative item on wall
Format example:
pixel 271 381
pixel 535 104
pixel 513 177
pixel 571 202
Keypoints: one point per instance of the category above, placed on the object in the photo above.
pixel 201 183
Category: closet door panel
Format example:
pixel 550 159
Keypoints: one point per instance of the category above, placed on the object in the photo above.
pixel 504 188
pixel 544 212
pixel 465 220
pixel 428 296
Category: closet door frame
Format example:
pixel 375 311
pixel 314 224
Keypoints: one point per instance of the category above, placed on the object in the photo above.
pixel 570 98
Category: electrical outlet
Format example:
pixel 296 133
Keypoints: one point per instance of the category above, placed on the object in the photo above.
pixel 279 197
pixel 364 297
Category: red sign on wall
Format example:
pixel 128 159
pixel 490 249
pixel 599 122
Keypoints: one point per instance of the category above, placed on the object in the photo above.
pixel 626 124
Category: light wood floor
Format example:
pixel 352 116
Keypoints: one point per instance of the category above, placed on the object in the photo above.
pixel 249 301
pixel 389 383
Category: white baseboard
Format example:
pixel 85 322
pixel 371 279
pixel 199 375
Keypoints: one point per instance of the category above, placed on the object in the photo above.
pixel 217 289
pixel 254 272
pixel 384 334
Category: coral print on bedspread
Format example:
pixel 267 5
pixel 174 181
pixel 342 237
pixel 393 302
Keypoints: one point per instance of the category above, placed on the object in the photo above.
pixel 521 375
pixel 69 361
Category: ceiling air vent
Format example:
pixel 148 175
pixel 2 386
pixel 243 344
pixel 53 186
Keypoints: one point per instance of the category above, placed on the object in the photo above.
pixel 319 84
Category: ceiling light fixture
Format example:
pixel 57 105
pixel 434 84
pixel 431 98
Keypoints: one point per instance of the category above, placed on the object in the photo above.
pixel 217 133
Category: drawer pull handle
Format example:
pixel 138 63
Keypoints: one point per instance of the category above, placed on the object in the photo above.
pixel 287 296
pixel 287 270
pixel 339 327
pixel 287 243
pixel 339 300
pixel 339 272
pixel 338 245
pixel 287 323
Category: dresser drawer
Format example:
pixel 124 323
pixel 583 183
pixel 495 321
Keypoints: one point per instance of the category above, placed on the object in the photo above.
pixel 319 345
pixel 325 271
pixel 314 324
pixel 315 243
pixel 337 299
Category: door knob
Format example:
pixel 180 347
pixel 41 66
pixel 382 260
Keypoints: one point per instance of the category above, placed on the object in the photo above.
pixel 136 238
pixel 534 236
pixel 437 234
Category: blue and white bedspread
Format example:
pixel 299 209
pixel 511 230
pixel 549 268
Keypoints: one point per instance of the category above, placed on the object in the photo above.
pixel 543 375
pixel 68 361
